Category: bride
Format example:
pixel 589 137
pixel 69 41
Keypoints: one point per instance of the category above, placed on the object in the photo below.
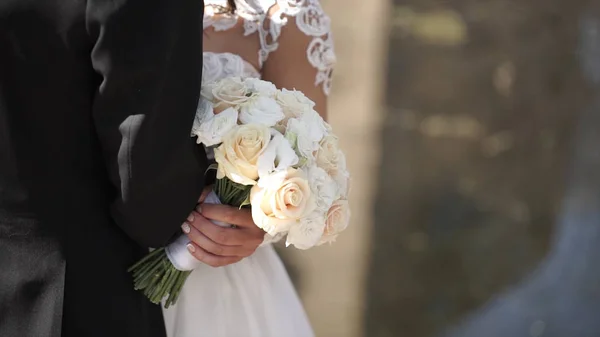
pixel 289 43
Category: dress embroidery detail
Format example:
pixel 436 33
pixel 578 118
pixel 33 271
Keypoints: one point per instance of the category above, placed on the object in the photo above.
pixel 267 17
pixel 217 66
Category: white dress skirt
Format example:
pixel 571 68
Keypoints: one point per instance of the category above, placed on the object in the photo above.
pixel 252 298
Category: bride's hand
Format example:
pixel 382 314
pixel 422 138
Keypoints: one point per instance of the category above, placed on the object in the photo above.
pixel 218 246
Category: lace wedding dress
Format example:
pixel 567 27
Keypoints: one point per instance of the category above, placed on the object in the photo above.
pixel 254 297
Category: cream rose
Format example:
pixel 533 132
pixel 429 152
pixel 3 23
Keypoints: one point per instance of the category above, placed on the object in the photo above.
pixel 342 179
pixel 336 221
pixel 329 156
pixel 238 155
pixel 229 92
pixel 281 200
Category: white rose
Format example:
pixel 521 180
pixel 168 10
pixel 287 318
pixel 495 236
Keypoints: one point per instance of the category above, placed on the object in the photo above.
pixel 305 133
pixel 298 134
pixel 328 128
pixel 308 232
pixel 206 90
pixel 204 112
pixel 211 70
pixel 238 155
pixel 294 103
pixel 337 220
pixel 316 125
pixel 211 130
pixel 324 187
pixel 229 92
pixel 279 156
pixel 261 110
pixel 280 202
pixel 261 87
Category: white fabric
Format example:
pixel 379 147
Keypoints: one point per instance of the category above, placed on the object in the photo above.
pixel 266 19
pixel 216 66
pixel 177 251
pixel 179 255
pixel 252 298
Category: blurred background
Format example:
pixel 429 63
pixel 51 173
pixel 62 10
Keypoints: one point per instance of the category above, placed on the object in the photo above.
pixel 473 141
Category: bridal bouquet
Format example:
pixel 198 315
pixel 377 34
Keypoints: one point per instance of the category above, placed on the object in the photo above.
pixel 274 153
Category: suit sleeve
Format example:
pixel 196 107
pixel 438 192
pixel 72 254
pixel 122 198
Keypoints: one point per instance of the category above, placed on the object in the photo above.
pixel 148 54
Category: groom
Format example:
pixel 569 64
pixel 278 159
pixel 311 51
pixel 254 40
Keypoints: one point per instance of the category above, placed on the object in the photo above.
pixel 97 100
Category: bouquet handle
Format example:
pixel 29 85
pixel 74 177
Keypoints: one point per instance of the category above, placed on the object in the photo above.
pixel 177 251
pixel 162 273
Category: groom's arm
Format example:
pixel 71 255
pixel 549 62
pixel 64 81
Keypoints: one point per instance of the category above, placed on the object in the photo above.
pixel 148 53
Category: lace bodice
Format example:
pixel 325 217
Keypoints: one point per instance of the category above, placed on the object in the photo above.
pixel 217 66
pixel 266 19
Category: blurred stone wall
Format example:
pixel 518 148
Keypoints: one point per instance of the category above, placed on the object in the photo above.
pixel 481 99
pixel 457 116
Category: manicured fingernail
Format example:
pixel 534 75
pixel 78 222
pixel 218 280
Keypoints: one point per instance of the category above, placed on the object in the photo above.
pixel 186 228
pixel 199 209
pixel 191 248
pixel 190 218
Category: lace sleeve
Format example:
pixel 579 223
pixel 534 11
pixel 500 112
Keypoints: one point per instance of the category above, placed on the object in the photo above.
pixel 311 20
pixel 269 19
pixel 306 16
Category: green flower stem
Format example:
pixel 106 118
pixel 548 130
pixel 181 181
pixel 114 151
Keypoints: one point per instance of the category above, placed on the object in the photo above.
pixel 146 278
pixel 156 292
pixel 146 260
pixel 156 276
pixel 176 289
pixel 231 193
pixel 170 280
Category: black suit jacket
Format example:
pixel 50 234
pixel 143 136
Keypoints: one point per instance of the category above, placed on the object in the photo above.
pixel 97 100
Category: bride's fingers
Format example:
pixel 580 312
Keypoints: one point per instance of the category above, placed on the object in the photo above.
pixel 218 234
pixel 209 258
pixel 228 214
pixel 210 246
